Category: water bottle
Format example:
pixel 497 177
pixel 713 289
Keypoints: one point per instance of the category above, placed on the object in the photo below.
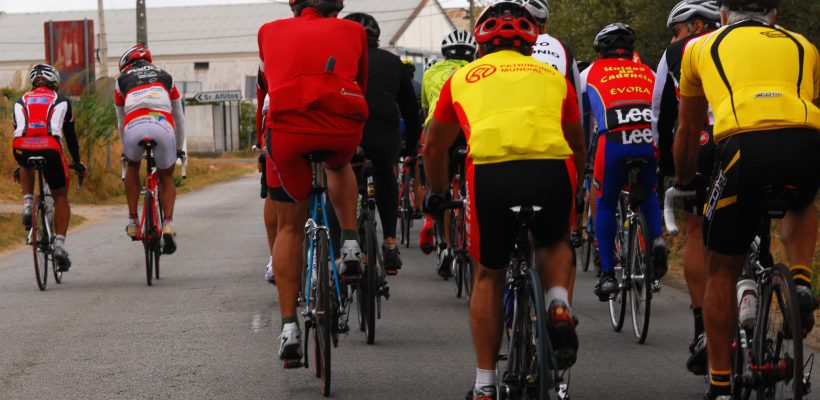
pixel 747 302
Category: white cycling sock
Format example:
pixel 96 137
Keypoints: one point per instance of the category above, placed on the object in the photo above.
pixel 59 241
pixel 484 377
pixel 557 293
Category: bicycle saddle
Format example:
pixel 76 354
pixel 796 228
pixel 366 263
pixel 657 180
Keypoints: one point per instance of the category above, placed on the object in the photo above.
pixel 525 213
pixel 318 156
pixel 36 161
pixel 638 163
pixel 775 199
pixel 148 142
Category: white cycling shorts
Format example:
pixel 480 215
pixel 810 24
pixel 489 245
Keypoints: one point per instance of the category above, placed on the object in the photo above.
pixel 148 127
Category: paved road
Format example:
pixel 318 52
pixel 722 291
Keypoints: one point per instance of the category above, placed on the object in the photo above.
pixel 207 329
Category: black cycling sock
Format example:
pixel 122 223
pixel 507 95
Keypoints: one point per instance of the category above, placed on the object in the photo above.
pixel 720 383
pixel 287 320
pixel 698 314
pixel 801 275
pixel 349 234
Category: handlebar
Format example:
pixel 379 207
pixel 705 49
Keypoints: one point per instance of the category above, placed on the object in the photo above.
pixel 669 207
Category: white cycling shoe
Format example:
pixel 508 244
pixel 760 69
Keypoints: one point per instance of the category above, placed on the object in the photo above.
pixel 290 345
pixel 269 278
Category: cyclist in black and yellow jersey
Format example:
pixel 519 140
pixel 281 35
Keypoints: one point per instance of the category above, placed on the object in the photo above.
pixel 763 84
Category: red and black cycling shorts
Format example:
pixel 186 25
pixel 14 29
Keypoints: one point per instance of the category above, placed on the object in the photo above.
pixel 288 171
pixel 55 171
pixel 494 188
pixel 748 163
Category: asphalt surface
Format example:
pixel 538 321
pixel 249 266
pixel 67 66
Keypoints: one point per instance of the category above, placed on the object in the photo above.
pixel 208 328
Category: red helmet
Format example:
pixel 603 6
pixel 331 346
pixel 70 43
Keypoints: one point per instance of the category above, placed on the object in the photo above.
pixel 506 23
pixel 135 53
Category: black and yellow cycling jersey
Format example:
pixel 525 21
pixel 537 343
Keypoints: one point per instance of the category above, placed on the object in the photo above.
pixel 755 76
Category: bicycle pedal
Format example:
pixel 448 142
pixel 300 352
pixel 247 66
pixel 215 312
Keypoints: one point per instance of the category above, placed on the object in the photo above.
pixel 293 363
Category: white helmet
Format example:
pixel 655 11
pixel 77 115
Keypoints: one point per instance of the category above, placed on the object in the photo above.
pixel 458 37
pixel 688 10
pixel 540 9
pixel 44 73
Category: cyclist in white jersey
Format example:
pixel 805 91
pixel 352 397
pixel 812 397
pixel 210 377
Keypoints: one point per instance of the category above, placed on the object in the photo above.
pixel 548 49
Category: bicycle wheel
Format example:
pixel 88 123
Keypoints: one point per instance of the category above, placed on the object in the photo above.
pixel 778 342
pixel 640 279
pixel 40 246
pixel 741 361
pixel 147 236
pixel 587 240
pixel 371 275
pixel 467 266
pixel 323 312
pixel 455 266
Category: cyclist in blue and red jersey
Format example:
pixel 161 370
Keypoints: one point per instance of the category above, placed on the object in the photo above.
pixel 315 69
pixel 41 118
pixel 619 94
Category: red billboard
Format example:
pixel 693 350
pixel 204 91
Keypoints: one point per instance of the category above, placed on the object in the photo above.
pixel 70 49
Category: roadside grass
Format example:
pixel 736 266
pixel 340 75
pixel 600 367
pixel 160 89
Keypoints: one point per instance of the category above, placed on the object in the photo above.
pixel 12 233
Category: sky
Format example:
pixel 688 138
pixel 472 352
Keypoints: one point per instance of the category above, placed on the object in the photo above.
pixel 19 6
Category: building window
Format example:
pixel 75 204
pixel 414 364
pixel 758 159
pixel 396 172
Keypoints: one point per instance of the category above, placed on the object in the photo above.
pixel 201 65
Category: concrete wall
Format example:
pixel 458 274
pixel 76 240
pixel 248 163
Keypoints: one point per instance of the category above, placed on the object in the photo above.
pixel 199 128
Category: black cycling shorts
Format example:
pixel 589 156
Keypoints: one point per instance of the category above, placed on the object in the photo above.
pixel 55 171
pixel 706 162
pixel 494 188
pixel 747 163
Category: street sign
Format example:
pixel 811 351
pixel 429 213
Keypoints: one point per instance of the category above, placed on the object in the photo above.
pixel 218 97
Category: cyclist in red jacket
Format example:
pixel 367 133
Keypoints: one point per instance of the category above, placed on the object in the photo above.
pixel 315 105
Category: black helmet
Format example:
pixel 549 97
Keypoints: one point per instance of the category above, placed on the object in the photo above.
pixel 750 5
pixel 371 26
pixel 615 37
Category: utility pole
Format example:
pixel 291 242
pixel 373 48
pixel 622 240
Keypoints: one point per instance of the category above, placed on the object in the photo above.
pixel 472 15
pixel 142 23
pixel 103 42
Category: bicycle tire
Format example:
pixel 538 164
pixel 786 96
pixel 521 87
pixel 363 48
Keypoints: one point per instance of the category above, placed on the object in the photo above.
pixel 157 254
pixel 455 265
pixel 543 346
pixel 39 243
pixel 147 235
pixel 778 325
pixel 371 279
pixel 323 312
pixel 617 305
pixel 58 275
pixel 458 275
pixel 640 289
pixel 468 275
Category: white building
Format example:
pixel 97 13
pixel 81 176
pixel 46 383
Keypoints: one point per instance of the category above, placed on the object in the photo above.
pixel 213 47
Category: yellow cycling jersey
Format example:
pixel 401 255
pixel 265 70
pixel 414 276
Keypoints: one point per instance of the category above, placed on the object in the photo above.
pixel 511 107
pixel 432 82
pixel 755 76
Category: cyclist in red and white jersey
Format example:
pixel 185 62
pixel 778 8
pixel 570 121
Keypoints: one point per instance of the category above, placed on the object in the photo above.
pixel 149 106
pixel 41 118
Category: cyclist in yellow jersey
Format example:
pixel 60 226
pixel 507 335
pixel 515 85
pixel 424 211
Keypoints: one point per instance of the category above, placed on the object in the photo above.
pixel 526 146
pixel 763 84
pixel 459 49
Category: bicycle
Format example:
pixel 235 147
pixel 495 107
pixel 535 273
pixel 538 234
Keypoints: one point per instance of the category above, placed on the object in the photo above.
pixel 768 357
pixel 372 286
pixel 41 235
pixel 326 300
pixel 633 271
pixel 587 228
pixel 531 370
pixel 461 265
pixel 407 209
pixel 150 226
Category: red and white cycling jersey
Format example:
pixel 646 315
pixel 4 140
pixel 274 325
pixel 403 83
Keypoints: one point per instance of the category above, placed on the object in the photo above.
pixel 144 89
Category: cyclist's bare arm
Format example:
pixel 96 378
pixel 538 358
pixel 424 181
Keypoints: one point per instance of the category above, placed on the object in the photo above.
pixel 691 118
pixel 438 140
